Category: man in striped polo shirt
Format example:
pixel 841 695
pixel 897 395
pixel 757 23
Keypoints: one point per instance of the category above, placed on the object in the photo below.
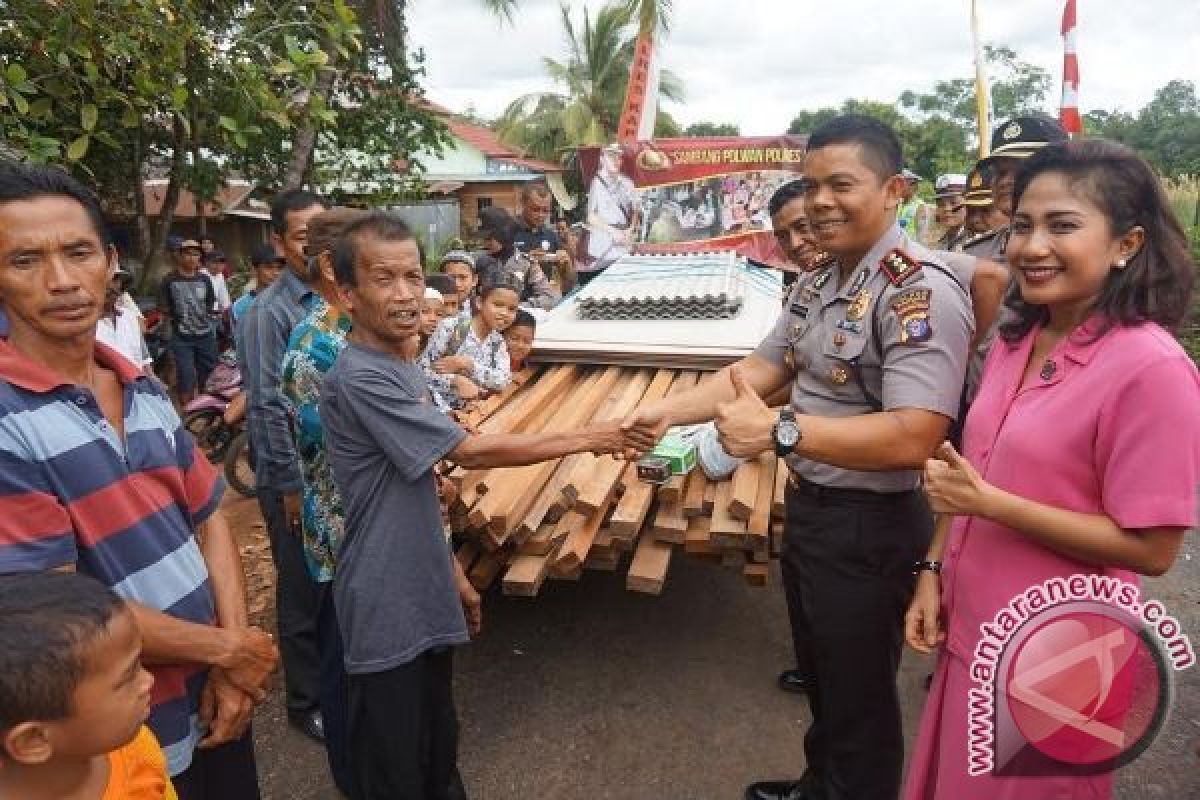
pixel 98 475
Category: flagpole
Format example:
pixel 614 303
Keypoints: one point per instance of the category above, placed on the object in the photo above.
pixel 983 100
pixel 1069 107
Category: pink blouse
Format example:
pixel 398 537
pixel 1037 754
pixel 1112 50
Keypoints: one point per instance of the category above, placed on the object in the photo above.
pixel 1105 426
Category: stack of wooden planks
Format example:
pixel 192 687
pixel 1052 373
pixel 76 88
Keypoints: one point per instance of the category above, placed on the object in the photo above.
pixel 556 519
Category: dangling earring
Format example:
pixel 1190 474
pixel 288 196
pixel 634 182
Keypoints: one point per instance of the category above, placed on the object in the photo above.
pixel 1120 263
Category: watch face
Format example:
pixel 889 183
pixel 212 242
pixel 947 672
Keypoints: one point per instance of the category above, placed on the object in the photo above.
pixel 787 433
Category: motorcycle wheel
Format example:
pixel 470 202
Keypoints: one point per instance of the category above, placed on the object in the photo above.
pixel 205 426
pixel 239 471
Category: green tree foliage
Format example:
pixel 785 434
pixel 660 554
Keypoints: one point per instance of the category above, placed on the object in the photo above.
pixel 590 81
pixel 1166 131
pixel 379 86
pixel 937 128
pixel 123 89
pixel 699 129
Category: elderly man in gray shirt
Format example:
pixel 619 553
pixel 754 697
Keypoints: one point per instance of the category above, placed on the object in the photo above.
pixel 262 337
pixel 402 599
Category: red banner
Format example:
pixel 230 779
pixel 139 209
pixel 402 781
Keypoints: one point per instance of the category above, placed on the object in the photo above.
pixel 638 90
pixel 705 194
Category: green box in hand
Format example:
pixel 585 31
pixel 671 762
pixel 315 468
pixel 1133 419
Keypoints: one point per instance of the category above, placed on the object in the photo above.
pixel 679 452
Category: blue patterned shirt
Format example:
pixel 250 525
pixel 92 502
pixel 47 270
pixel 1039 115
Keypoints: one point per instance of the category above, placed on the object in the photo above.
pixel 312 348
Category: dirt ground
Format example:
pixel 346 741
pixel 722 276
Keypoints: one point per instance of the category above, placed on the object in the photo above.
pixel 590 691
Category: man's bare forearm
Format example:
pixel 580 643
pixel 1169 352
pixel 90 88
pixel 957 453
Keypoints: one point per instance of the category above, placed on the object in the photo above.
pixel 225 572
pixel 170 640
pixel 890 440
pixel 521 449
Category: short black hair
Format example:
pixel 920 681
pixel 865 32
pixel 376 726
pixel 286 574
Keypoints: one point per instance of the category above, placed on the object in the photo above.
pixel 292 200
pixel 792 190
pixel 498 279
pixel 523 319
pixel 20 182
pixel 880 145
pixel 539 188
pixel 377 225
pixel 442 282
pixel 47 621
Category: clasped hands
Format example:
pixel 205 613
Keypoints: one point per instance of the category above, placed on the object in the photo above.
pixel 744 424
pixel 236 684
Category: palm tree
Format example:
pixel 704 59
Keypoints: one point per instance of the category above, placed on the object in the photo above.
pixel 591 84
pixel 386 35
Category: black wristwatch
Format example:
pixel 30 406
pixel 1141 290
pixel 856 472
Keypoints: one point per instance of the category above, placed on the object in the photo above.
pixel 927 566
pixel 786 432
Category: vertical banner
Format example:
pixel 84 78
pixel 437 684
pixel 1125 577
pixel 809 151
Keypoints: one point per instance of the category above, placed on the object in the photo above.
pixel 1069 110
pixel 983 95
pixel 641 96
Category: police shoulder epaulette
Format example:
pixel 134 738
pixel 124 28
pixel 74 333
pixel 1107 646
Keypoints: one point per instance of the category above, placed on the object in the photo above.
pixel 899 267
pixel 981 237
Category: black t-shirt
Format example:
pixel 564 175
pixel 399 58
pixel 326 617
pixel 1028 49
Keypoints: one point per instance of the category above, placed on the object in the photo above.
pixel 187 300
pixel 529 239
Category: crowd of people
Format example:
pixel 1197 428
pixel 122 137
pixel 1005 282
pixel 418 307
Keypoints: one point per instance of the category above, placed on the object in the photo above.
pixel 960 421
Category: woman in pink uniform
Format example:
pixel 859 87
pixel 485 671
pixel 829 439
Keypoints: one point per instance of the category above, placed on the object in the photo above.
pixel 1082 450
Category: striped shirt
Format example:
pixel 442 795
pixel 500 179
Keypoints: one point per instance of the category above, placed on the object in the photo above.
pixel 73 493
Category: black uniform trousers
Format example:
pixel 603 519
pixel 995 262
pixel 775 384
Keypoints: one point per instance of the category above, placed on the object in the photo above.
pixel 225 772
pixel 404 731
pixel 847 568
pixel 297 606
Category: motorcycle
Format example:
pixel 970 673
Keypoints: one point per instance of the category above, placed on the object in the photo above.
pixel 216 418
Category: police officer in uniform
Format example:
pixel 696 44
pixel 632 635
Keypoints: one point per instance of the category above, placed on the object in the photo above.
pixel 1012 143
pixel 951 213
pixel 503 261
pixel 874 348
pixel 985 225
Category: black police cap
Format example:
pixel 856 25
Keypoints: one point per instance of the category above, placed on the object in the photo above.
pixel 1021 137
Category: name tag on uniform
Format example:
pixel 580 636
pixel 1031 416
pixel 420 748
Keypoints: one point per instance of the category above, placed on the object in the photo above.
pixel 850 325
pixel 800 311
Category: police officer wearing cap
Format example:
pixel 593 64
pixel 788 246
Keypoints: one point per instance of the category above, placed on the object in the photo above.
pixel 951 213
pixel 874 349
pixel 1012 143
pixel 984 224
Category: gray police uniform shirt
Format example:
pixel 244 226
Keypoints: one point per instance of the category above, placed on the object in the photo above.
pixel 991 246
pixel 394 588
pixel 924 330
pixel 536 290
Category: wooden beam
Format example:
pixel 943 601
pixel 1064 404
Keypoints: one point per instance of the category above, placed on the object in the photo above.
pixel 744 490
pixel 693 493
pixel 648 570
pixel 579 541
pixel 727 531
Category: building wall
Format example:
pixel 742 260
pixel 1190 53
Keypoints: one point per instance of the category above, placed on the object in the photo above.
pixel 505 194
pixel 458 158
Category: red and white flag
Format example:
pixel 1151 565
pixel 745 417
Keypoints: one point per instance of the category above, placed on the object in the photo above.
pixel 1069 111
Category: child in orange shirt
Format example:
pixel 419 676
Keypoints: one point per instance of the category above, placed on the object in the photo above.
pixel 73 694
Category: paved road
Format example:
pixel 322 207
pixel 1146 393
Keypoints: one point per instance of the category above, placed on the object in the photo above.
pixel 589 691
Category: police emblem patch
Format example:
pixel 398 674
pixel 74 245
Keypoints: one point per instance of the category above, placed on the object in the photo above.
pixel 912 307
pixel 1012 131
pixel 858 306
pixel 838 375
